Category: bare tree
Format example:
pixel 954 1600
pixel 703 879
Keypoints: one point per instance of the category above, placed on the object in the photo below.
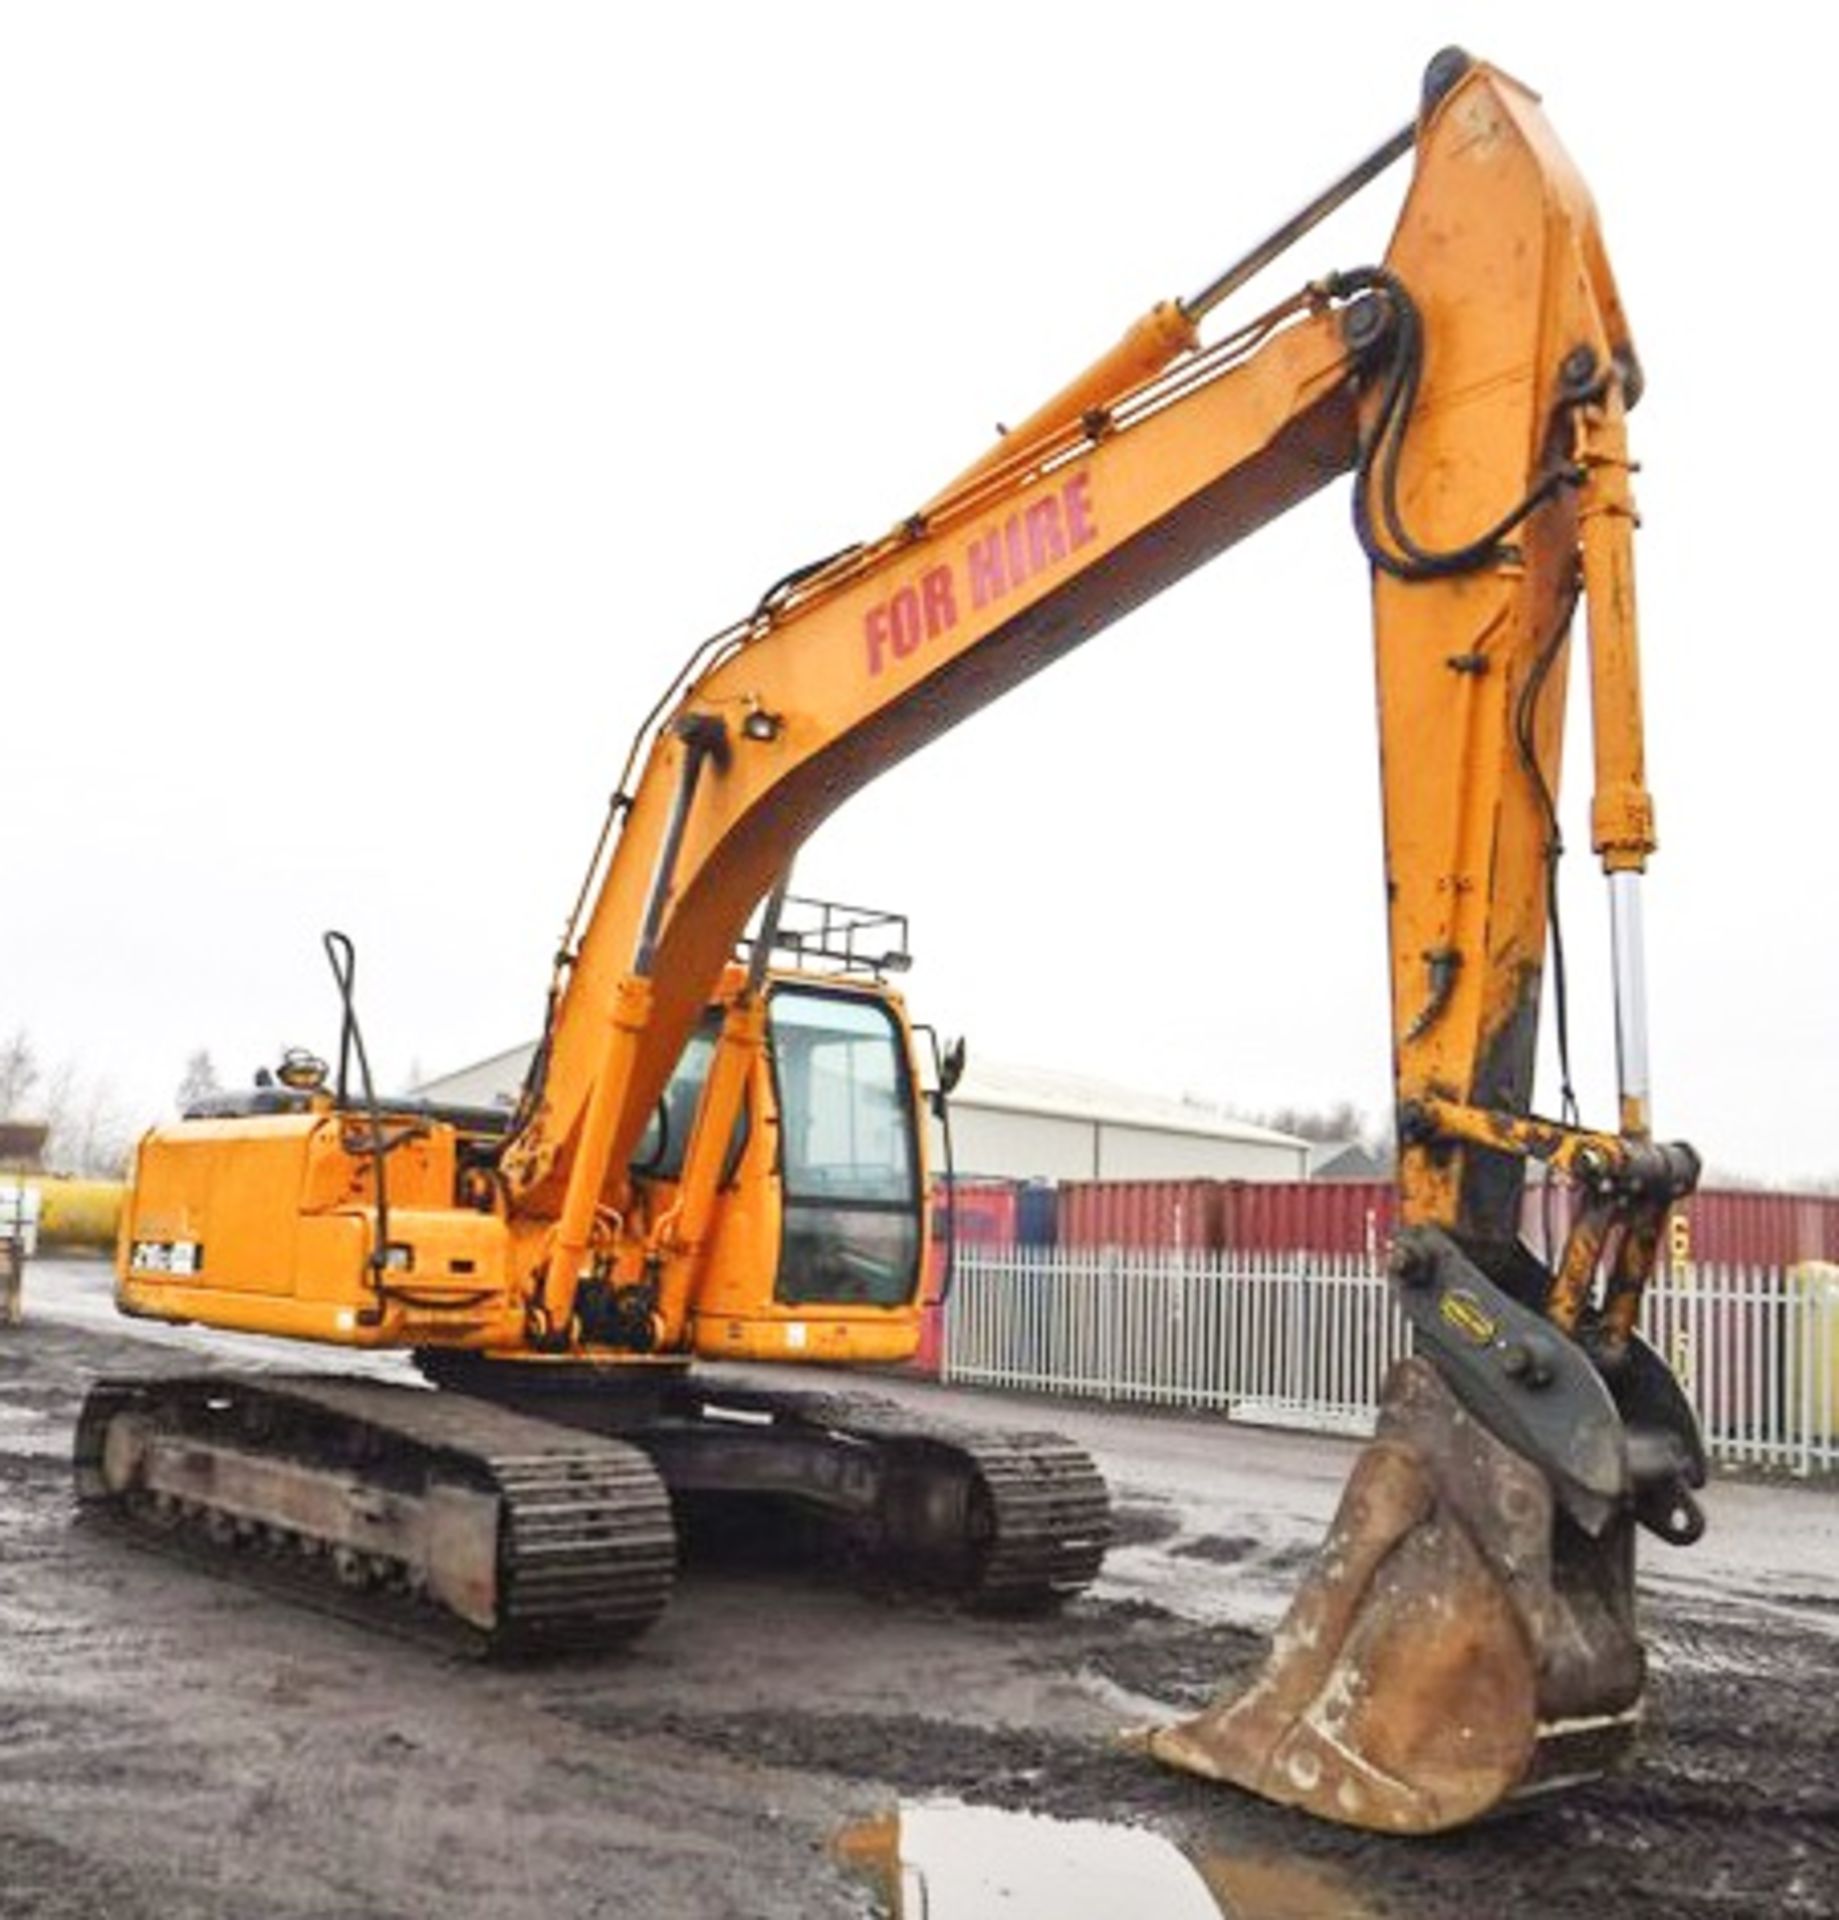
pixel 57 1103
pixel 18 1074
pixel 200 1079
pixel 1342 1121
pixel 85 1130
pixel 89 1135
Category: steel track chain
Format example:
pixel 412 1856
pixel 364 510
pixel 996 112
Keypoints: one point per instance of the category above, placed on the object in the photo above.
pixel 1040 1518
pixel 586 1545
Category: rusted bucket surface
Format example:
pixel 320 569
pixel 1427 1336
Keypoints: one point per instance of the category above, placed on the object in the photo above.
pixel 1456 1642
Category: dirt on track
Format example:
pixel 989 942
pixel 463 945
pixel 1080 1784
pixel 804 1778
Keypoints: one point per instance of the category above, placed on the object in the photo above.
pixel 177 1746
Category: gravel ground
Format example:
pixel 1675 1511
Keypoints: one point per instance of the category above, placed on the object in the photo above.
pixel 177 1746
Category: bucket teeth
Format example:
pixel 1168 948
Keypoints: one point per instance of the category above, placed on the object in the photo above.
pixel 1452 1637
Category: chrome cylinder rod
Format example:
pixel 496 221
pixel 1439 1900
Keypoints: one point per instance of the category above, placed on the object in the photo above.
pixel 767 937
pixel 1198 306
pixel 1630 960
pixel 704 737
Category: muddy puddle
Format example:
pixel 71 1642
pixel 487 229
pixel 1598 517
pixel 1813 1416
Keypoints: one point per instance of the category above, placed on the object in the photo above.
pixel 947 1860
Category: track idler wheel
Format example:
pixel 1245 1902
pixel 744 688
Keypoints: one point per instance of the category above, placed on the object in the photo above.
pixel 1458 1641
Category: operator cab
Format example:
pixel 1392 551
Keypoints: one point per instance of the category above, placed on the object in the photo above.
pixel 831 1117
pixel 842 1146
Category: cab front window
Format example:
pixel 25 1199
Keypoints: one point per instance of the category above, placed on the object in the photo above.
pixel 848 1157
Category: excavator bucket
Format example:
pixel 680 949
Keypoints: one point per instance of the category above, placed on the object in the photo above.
pixel 1460 1641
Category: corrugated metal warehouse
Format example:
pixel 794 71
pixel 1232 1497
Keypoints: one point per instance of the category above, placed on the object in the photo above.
pixel 490 1082
pixel 1025 1123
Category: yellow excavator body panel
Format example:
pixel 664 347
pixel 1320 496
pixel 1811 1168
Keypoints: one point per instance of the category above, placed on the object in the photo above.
pixel 268 1223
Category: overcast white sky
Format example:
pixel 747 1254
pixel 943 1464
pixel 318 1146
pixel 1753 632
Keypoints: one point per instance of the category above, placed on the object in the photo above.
pixel 393 394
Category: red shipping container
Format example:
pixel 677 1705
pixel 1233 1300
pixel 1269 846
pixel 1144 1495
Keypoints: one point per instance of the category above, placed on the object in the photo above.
pixel 1346 1217
pixel 986 1212
pixel 1760 1229
pixel 1720 1227
pixel 1140 1213
pixel 1352 1217
pixel 986 1215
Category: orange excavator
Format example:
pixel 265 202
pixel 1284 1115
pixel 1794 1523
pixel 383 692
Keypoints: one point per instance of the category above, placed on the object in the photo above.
pixel 713 1159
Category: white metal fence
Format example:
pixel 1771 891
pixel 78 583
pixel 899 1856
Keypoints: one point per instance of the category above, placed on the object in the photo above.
pixel 1304 1340
pixel 19 1215
pixel 18 1240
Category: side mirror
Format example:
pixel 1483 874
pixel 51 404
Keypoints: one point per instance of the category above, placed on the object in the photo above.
pixel 951 1069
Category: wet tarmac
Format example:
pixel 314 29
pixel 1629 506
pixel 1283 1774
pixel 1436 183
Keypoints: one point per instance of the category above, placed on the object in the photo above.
pixel 175 1746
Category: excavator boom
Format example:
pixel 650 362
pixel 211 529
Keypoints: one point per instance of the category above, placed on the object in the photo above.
pixel 866 661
